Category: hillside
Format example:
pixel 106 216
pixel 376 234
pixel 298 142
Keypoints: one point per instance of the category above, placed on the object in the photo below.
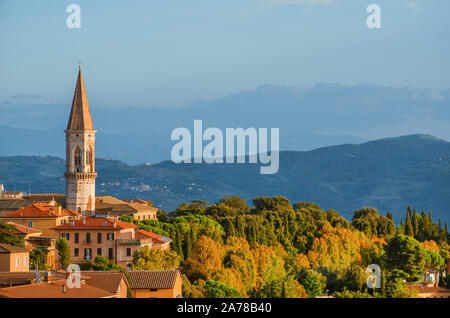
pixel 388 174
pixel 324 115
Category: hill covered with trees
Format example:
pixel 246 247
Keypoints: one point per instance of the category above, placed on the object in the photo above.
pixel 388 174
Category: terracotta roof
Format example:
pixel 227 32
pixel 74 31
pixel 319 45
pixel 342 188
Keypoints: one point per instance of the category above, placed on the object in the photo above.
pixel 46 195
pixel 96 223
pixel 114 205
pixel 155 237
pixel 7 248
pixel 21 230
pixel 80 114
pixel 107 280
pixel 40 210
pixel 107 199
pixel 153 279
pixel 25 277
pixel 434 291
pixel 16 278
pixel 54 290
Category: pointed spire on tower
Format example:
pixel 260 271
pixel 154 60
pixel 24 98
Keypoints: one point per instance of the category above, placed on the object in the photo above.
pixel 80 115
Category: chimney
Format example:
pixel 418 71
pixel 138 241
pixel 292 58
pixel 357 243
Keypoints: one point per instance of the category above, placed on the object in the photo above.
pixel 59 210
pixel 48 277
pixel 115 224
pixel 84 220
pixel 64 288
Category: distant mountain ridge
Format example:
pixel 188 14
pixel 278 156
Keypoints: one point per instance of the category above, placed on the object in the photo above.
pixel 388 174
pixel 324 115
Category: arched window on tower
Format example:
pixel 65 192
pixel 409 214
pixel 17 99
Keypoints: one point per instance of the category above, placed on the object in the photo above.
pixel 77 159
pixel 89 159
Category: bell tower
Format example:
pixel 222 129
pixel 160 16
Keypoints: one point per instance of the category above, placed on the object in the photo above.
pixel 80 154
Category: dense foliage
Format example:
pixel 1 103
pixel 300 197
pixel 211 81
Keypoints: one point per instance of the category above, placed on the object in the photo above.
pixel 279 249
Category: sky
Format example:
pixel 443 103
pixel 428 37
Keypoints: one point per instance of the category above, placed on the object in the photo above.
pixel 176 52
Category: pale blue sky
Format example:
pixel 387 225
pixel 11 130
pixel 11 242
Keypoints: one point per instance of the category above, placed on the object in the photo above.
pixel 173 52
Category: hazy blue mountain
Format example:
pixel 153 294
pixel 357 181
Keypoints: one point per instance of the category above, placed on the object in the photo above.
pixel 327 114
pixel 388 174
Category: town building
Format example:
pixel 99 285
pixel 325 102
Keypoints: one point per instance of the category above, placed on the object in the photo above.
pixel 80 154
pixel 33 239
pixel 23 232
pixel 103 236
pixel 113 281
pixel 14 258
pixel 9 279
pixel 155 284
pixel 159 242
pixel 137 209
pixel 42 216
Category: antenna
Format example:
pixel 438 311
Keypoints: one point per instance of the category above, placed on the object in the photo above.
pixel 29 187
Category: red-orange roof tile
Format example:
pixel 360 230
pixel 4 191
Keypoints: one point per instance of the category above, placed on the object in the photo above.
pixel 155 237
pixel 96 223
pixel 40 210
pixel 22 230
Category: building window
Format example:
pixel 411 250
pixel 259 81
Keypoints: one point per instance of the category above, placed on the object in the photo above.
pixel 75 252
pixel 110 253
pixel 66 236
pixel 110 236
pixel 30 224
pixel 88 237
pixel 99 251
pixel 153 289
pixel 87 253
pixel 89 159
pixel 76 238
pixel 25 261
pixel 17 261
pixel 128 251
pixel 78 157
pixel 99 238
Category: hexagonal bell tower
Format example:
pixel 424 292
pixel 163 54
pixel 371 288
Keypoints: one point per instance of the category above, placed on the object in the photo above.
pixel 80 154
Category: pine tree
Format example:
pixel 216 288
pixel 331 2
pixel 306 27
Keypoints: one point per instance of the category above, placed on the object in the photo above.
pixel 445 228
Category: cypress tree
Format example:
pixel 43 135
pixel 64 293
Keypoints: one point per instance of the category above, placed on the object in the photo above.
pixel 389 215
pixel 178 247
pixel 409 230
pixel 445 228
pixel 415 222
pixel 189 243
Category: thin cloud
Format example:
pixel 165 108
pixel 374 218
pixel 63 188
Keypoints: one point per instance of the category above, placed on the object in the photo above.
pixel 279 3
pixel 26 96
pixel 271 4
